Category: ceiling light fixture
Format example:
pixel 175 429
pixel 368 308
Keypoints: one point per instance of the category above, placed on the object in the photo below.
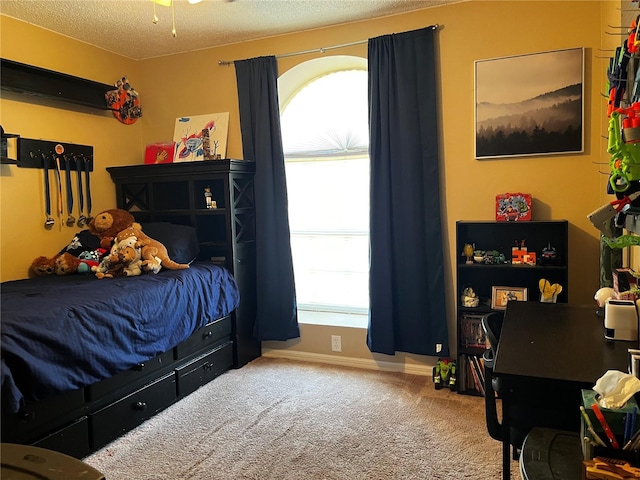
pixel 166 3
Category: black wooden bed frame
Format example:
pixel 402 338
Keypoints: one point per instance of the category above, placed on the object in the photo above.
pixel 82 421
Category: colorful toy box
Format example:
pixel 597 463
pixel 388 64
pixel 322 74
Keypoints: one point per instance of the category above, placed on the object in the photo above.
pixel 513 207
pixel 159 153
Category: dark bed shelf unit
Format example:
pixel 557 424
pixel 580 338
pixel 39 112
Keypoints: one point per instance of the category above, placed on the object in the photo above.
pixel 174 192
pixel 501 236
pixel 82 421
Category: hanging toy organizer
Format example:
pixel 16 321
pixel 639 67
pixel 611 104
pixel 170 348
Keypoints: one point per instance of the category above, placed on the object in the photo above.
pixel 623 145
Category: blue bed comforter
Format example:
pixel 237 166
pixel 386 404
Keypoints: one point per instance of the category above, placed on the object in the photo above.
pixel 60 333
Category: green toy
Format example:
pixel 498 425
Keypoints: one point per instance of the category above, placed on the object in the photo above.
pixel 622 241
pixel 625 157
pixel 444 374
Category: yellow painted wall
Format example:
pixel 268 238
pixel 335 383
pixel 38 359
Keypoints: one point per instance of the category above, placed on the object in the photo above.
pixel 563 186
pixel 22 213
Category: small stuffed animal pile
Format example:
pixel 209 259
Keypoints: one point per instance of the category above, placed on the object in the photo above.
pixel 134 252
pixel 87 248
pixel 79 255
pixel 130 251
pixel 124 260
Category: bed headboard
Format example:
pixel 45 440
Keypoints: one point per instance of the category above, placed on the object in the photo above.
pixel 175 193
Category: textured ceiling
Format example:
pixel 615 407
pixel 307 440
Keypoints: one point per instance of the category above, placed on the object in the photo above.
pixel 125 26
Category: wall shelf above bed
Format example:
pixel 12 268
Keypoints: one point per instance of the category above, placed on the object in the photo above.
pixel 46 84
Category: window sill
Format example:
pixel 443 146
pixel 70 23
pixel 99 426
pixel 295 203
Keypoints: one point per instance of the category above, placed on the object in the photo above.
pixel 333 319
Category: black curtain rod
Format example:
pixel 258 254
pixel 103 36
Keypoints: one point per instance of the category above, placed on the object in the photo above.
pixel 224 63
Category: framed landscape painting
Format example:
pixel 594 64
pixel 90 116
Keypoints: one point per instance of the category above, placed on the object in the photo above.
pixel 530 104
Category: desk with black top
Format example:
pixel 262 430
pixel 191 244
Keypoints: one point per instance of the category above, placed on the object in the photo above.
pixel 555 349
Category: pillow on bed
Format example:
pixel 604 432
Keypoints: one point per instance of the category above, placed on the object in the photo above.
pixel 181 240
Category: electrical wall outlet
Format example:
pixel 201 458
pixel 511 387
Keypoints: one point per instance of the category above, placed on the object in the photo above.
pixel 336 343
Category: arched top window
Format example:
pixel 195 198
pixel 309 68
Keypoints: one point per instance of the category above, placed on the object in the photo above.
pixel 326 115
pixel 325 134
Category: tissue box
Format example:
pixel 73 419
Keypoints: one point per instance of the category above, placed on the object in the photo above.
pixel 615 418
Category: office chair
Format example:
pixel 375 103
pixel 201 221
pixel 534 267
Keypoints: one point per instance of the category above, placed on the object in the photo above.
pixel 520 423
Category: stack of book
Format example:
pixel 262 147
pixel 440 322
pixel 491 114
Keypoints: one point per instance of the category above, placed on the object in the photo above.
pixel 471 373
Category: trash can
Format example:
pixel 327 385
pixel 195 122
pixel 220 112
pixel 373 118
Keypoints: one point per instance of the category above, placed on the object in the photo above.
pixel 24 462
pixel 549 454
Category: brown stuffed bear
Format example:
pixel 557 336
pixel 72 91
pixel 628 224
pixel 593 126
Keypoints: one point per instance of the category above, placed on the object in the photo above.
pixel 66 264
pixel 115 270
pixel 108 223
pixel 43 266
pixel 61 264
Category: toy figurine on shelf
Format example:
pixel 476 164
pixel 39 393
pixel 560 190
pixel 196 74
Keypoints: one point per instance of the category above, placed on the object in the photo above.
pixel 549 255
pixel 469 298
pixel 494 257
pixel 208 197
pixel 548 292
pixel 518 252
pixel 467 251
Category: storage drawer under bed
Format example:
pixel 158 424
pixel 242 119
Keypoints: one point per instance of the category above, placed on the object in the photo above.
pixel 203 369
pixel 130 378
pixel 207 336
pixel 34 419
pixel 72 440
pixel 127 413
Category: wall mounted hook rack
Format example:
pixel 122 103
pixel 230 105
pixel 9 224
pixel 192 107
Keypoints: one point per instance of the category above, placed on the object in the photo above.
pixel 33 153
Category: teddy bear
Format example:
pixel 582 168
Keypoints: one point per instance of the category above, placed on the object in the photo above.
pixel 108 223
pixel 43 266
pixel 124 260
pixel 132 260
pixel 114 270
pixel 66 264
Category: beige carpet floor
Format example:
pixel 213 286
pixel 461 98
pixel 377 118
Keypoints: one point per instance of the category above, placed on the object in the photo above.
pixel 277 419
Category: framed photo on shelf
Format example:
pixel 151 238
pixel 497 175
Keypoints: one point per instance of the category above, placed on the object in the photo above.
pixel 501 295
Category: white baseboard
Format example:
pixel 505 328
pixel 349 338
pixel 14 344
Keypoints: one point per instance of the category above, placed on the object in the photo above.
pixel 371 364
